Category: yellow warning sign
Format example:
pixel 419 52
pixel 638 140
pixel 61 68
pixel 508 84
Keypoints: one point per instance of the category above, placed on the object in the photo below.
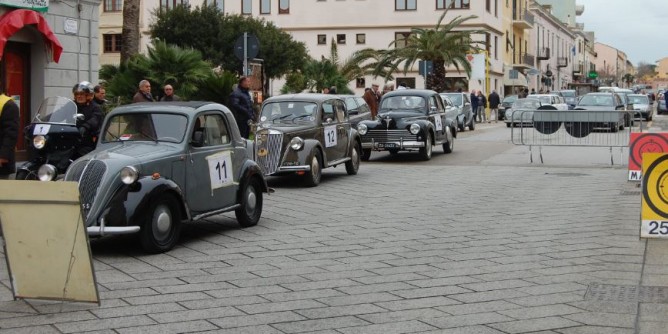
pixel 654 210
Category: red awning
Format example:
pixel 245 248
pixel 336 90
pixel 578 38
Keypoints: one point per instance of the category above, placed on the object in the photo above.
pixel 16 19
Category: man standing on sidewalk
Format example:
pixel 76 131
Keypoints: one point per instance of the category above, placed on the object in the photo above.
pixel 494 101
pixel 9 132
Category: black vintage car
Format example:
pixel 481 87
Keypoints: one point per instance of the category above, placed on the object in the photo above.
pixel 304 133
pixel 409 120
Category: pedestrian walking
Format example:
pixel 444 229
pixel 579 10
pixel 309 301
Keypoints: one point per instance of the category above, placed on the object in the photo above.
pixel 9 133
pixel 482 105
pixel 370 98
pixel 474 105
pixel 242 106
pixel 494 101
pixel 169 94
pixel 144 93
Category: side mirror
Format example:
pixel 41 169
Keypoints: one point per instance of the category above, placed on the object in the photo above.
pixel 433 109
pixel 198 139
pixel 80 117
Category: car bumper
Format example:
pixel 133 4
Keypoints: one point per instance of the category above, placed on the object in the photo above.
pixel 102 230
pixel 289 169
pixel 392 145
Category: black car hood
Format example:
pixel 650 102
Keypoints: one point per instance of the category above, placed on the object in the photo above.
pixel 400 114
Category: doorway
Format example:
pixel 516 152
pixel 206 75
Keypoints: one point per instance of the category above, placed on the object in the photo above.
pixel 15 78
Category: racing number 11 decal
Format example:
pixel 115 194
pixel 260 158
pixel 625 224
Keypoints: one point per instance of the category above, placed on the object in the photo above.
pixel 330 136
pixel 220 169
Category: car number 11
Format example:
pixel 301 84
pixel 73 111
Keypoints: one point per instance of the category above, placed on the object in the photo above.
pixel 220 169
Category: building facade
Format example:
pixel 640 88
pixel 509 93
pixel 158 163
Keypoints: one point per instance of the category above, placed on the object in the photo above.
pixel 611 65
pixel 45 49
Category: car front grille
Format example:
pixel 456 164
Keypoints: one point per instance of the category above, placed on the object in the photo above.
pixel 388 136
pixel 268 146
pixel 89 174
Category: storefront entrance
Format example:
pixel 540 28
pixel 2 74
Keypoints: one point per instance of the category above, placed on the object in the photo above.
pixel 15 75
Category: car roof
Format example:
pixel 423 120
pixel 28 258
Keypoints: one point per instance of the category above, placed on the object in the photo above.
pixel 166 107
pixel 305 97
pixel 539 95
pixel 404 92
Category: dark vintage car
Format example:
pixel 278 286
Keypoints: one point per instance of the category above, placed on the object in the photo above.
pixel 304 133
pixel 462 102
pixel 358 109
pixel 409 120
pixel 158 164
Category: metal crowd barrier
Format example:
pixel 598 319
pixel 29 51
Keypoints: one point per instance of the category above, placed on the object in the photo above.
pixel 582 128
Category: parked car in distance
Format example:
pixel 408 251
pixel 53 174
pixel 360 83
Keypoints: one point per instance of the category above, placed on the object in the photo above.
pixel 409 120
pixel 464 113
pixel 605 101
pixel 358 109
pixel 305 133
pixel 158 164
pixel 506 103
pixel 570 97
pixel 521 112
pixel 661 107
pixel 641 106
pixel 550 99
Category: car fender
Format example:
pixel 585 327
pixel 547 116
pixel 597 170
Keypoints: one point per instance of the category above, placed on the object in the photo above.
pixel 249 170
pixel 305 154
pixel 354 139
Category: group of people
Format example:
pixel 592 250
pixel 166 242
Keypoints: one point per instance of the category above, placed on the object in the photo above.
pixel 479 105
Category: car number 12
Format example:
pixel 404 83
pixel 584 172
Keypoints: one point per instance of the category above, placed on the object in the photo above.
pixel 654 229
pixel 330 136
pixel 220 169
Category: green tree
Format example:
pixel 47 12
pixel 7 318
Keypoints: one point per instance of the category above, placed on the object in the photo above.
pixel 442 44
pixel 216 87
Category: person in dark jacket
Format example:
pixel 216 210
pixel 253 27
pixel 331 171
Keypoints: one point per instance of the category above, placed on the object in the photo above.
pixel 100 95
pixel 242 106
pixel 89 126
pixel 494 101
pixel 144 93
pixel 474 105
pixel 482 105
pixel 9 133
pixel 370 99
pixel 169 94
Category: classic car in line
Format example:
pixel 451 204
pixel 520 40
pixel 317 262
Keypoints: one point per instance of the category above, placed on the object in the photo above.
pixel 158 164
pixel 464 113
pixel 409 120
pixel 304 133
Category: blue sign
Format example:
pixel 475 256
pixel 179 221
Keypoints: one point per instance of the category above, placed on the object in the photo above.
pixel 426 67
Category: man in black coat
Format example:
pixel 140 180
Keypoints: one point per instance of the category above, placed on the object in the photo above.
pixel 89 126
pixel 494 101
pixel 9 132
pixel 242 106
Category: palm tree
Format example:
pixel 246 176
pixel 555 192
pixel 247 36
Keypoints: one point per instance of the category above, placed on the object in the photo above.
pixel 442 45
pixel 130 32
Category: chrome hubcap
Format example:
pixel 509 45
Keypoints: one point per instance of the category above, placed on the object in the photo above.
pixel 163 222
pixel 251 200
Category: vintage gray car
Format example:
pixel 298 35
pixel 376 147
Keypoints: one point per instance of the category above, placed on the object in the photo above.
pixel 304 133
pixel 158 164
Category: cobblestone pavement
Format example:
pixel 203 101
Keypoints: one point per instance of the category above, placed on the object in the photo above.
pixel 399 248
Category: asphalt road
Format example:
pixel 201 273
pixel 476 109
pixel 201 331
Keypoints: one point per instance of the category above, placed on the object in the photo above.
pixel 478 241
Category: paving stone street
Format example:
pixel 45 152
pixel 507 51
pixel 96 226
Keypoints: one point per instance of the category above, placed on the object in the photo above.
pixel 402 247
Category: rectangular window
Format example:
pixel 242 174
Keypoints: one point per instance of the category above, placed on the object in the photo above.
pixel 401 39
pixel 170 4
pixel 496 47
pixel 454 4
pixel 112 43
pixel 405 4
pixel 113 5
pixel 322 39
pixel 284 6
pixel 488 6
pixel 341 39
pixel 246 7
pixel 265 6
pixel 361 39
pixel 408 82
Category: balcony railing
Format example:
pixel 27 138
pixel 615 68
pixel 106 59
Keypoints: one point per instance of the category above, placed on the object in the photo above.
pixel 578 69
pixel 524 60
pixel 523 19
pixel 562 62
pixel 543 54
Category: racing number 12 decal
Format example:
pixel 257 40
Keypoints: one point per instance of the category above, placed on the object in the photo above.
pixel 438 123
pixel 220 169
pixel 330 136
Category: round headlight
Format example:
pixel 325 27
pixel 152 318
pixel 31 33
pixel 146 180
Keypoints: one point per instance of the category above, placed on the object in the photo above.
pixel 362 129
pixel 39 142
pixel 296 143
pixel 129 174
pixel 415 128
pixel 46 172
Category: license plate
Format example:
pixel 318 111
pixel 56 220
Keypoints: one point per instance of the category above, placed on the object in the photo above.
pixel 387 145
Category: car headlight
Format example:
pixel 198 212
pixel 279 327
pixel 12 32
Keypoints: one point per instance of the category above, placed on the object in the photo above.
pixel 415 128
pixel 129 175
pixel 362 129
pixel 39 142
pixel 296 143
pixel 46 172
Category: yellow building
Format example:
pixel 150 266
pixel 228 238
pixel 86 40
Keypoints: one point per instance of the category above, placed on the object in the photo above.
pixel 518 58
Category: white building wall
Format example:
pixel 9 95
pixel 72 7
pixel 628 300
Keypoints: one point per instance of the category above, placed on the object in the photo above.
pixel 552 33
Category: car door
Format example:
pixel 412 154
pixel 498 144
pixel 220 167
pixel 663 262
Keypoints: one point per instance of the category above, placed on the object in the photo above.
pixel 437 116
pixel 336 128
pixel 213 169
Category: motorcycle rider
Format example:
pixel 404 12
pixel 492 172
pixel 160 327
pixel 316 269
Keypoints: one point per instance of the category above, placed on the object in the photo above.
pixel 89 126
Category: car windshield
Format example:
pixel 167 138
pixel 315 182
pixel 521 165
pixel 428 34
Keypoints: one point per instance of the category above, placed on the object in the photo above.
pixel 639 99
pixel 596 100
pixel 568 93
pixel 510 99
pixel 526 104
pixel 455 98
pixel 146 127
pixel 404 102
pixel 289 112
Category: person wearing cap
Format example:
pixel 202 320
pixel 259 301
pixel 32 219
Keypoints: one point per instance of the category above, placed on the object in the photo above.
pixel 9 133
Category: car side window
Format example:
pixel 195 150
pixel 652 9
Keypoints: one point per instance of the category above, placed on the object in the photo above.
pixel 433 102
pixel 214 128
pixel 341 113
pixel 328 111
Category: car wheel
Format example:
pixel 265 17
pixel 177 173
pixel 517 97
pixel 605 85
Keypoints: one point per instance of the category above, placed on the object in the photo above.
pixel 353 165
pixel 23 174
pixel 248 214
pixel 366 154
pixel 461 126
pixel 425 152
pixel 507 125
pixel 313 176
pixel 162 225
pixel 450 145
pixel 472 125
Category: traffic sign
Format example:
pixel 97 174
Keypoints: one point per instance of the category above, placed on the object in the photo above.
pixel 426 67
pixel 592 75
pixel 640 143
pixel 654 206
pixel 252 46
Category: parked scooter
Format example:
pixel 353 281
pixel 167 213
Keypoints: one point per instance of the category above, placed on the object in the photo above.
pixel 52 140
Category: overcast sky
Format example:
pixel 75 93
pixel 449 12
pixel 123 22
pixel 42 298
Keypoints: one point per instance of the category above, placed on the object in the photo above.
pixel 637 27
